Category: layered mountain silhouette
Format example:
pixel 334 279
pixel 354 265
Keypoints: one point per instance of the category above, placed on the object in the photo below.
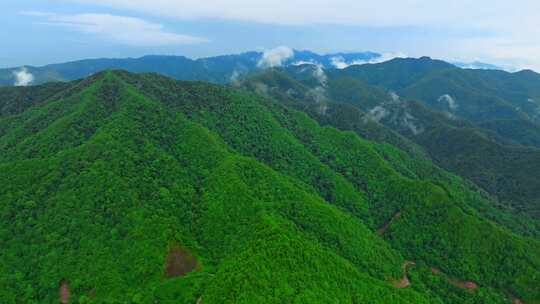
pixel 219 69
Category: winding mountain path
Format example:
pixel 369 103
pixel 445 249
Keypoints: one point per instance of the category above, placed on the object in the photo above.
pixel 463 284
pixel 469 285
pixel 382 230
pixel 404 282
pixel 456 282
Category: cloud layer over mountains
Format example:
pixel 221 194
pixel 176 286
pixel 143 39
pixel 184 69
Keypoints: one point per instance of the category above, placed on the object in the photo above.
pixel 275 57
pixel 495 30
pixel 23 77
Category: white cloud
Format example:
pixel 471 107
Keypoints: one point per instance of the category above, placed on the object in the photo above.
pixel 127 30
pixel 378 113
pixel 275 57
pixel 451 102
pixel 36 14
pixel 511 52
pixel 261 88
pixel 340 63
pixel 318 94
pixel 510 28
pixel 319 73
pixel 235 77
pixel 23 77
pixel 383 58
pixel 302 62
pixel 373 13
pixel 394 96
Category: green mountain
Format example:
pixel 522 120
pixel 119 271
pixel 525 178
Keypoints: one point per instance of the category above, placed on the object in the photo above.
pixel 487 98
pixel 487 152
pixel 124 188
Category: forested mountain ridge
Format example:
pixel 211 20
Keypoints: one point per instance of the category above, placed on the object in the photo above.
pixel 480 96
pixel 497 160
pixel 120 176
pixel 217 69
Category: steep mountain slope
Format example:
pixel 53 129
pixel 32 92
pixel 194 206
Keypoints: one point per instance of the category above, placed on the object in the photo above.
pixel 503 104
pixel 484 97
pixel 379 184
pixel 17 100
pixel 505 171
pixel 467 96
pixel 99 196
pixel 487 158
pixel 300 87
pixel 124 177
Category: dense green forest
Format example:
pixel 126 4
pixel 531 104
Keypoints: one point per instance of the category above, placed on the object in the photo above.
pixel 429 108
pixel 498 154
pixel 136 188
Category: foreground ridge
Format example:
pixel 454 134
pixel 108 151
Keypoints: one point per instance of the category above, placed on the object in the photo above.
pixel 138 188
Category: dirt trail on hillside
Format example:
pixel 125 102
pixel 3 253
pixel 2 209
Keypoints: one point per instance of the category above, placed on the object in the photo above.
pixel 64 292
pixel 382 230
pixel 404 282
pixel 516 300
pixel 456 282
pixel 463 284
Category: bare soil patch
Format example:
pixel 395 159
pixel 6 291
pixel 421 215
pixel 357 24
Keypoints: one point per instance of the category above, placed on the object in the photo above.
pixel 517 301
pixel 459 283
pixel 404 282
pixel 464 284
pixel 179 262
pixel 64 292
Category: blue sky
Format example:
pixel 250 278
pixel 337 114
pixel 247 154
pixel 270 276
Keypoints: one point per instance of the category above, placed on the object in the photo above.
pixel 34 32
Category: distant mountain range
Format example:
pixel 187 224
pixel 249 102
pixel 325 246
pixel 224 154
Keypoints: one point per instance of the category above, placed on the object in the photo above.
pixel 219 69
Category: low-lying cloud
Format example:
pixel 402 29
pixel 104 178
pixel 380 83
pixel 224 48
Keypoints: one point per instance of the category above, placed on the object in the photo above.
pixel 319 73
pixel 318 70
pixel 302 62
pixel 340 63
pixel 449 100
pixel 275 57
pixel 23 77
